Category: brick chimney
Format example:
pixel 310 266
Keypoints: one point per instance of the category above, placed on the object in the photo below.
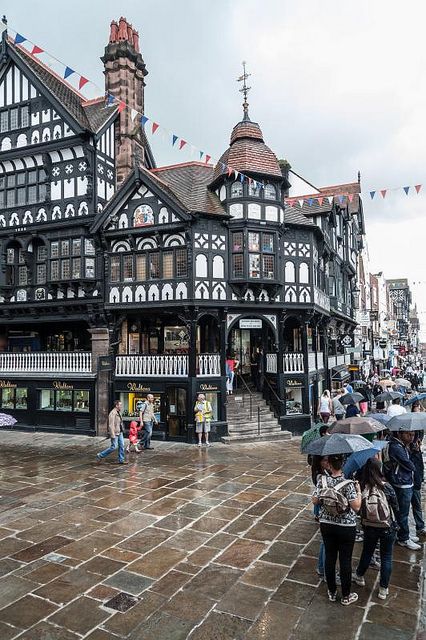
pixel 125 73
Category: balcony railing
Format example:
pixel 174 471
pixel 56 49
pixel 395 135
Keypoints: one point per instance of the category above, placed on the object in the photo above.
pixel 46 362
pixel 335 361
pixel 293 363
pixel 160 366
pixel 271 363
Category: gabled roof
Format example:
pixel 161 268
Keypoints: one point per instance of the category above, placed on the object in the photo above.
pixel 89 115
pixel 315 208
pixel 293 215
pixel 189 181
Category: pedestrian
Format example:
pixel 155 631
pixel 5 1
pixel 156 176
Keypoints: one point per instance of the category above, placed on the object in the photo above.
pixel 319 467
pixel 399 472
pixel 338 408
pixel 325 407
pixel 363 404
pixel 203 415
pixel 115 432
pixel 352 410
pixel 147 419
pixel 395 409
pixel 339 499
pixel 231 366
pixel 416 456
pixel 134 429
pixel 378 508
pixel 348 388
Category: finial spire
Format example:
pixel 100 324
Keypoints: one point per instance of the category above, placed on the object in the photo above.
pixel 244 90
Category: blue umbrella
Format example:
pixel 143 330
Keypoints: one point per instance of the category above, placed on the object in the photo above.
pixel 420 396
pixel 337 444
pixel 380 417
pixel 358 459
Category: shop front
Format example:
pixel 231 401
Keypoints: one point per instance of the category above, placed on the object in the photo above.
pixel 297 400
pixel 66 405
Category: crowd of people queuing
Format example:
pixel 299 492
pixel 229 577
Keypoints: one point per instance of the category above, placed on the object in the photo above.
pixel 373 504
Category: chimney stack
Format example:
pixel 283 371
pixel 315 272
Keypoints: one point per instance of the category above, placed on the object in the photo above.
pixel 125 73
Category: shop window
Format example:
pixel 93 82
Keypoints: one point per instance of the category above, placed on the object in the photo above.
pixel 46 399
pixel 213 399
pixel 81 400
pixel 293 400
pixel 132 403
pixel 14 398
pixel 21 398
pixel 236 190
pixel 8 398
pixel 64 400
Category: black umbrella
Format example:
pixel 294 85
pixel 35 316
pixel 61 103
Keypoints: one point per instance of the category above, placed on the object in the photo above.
pixel 388 396
pixel 336 444
pixel 351 398
pixel 408 422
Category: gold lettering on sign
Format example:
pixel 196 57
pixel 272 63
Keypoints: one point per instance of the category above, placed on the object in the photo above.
pixel 6 384
pixel 62 385
pixel 136 386
pixel 208 387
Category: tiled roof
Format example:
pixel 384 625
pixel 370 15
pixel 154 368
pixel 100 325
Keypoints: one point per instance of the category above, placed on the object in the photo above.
pixel 90 117
pixel 248 152
pixel 189 181
pixel 293 215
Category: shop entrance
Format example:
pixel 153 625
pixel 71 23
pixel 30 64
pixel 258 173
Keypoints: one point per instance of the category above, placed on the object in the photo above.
pixel 249 341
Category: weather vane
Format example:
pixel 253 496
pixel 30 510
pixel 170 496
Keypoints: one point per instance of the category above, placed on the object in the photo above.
pixel 244 90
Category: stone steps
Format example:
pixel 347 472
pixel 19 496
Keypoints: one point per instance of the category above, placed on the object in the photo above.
pixel 242 428
pixel 282 435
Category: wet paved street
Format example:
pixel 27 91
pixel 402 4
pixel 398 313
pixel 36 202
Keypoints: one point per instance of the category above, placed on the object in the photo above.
pixel 182 543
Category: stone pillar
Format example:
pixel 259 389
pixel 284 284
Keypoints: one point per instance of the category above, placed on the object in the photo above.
pixel 100 347
pixel 305 399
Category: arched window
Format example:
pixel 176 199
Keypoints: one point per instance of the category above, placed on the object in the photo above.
pixel 270 192
pixel 236 190
pixel 254 189
pixel 303 272
pixel 201 266
pixel 289 272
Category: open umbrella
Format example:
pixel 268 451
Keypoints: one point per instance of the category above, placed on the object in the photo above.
pixel 380 417
pixel 357 426
pixel 310 435
pixel 351 398
pixel 6 420
pixel 337 443
pixel 388 396
pixel 359 383
pixel 408 422
pixel 358 459
pixel 402 382
pixel 386 382
pixel 420 396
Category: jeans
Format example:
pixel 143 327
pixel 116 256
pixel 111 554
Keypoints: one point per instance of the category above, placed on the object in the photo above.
pixel 118 441
pixel 386 537
pixel 416 505
pixel 404 500
pixel 338 541
pixel 321 560
pixel 147 433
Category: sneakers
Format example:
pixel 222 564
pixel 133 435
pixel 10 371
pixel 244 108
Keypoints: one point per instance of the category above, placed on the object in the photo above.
pixel 123 462
pixel 128 449
pixel 352 597
pixel 332 596
pixel 383 593
pixel 358 579
pixel 98 459
pixel 199 444
pixel 414 538
pixel 375 563
pixel 208 444
pixel 359 536
pixel 409 544
pixel 137 449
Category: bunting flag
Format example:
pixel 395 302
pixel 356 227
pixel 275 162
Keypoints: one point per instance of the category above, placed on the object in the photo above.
pixel 174 138
pixel 330 199
pixel 154 128
pixel 350 197
pixel 121 106
pixel 144 120
pixel 110 99
pixel 201 154
pixel 383 192
pixel 19 39
pixel 68 72
pixel 36 50
pixel 182 143
pixel 372 194
pixel 82 82
pixel 208 158
pixel 133 114
pixel 417 187
pixel 406 189
pixel 320 200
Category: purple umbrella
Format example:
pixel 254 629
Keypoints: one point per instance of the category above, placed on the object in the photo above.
pixel 6 420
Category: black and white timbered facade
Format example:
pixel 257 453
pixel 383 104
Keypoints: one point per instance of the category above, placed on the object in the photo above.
pixel 119 278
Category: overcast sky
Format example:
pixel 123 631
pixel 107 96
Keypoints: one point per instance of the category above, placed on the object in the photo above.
pixel 337 87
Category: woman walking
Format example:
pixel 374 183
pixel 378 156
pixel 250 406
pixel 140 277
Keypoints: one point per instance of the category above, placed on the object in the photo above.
pixel 338 526
pixel 325 408
pixel 379 504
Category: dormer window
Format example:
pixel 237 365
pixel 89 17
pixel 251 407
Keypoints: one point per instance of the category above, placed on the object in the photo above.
pixel 236 190
pixel 270 192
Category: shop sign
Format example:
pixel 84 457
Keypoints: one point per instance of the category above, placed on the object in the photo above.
pixel 137 386
pixel 209 387
pixel 363 318
pixel 6 384
pixel 353 367
pixel 105 363
pixel 383 344
pixel 56 384
pixel 347 340
pixel 292 382
pixel 250 323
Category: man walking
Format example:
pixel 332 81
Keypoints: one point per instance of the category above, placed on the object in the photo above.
pixel 148 419
pixel 399 472
pixel 115 432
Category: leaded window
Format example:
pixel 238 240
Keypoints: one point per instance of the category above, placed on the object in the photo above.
pixel 270 192
pixel 236 190
pixel 128 267
pixel 114 274
pixel 14 118
pixel 181 263
pixel 23 188
pixel 259 261
pixel 141 267
pixel 168 270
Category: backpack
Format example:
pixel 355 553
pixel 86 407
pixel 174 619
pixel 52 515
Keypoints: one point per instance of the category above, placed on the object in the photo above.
pixel 387 464
pixel 331 498
pixel 375 509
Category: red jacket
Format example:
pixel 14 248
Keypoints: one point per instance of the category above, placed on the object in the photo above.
pixel 134 432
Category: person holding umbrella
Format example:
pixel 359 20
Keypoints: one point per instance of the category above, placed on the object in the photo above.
pixel 416 456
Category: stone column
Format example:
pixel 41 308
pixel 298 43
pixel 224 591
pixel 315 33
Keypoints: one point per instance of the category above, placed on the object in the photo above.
pixel 305 399
pixel 100 347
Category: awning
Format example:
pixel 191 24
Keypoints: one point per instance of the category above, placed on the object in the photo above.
pixel 340 373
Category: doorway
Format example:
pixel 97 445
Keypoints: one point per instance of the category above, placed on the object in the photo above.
pixel 243 344
pixel 176 413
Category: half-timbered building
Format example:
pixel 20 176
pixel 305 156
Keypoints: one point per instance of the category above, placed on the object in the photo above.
pixel 121 278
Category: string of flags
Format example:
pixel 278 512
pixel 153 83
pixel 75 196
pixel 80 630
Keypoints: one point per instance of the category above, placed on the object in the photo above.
pixel 151 126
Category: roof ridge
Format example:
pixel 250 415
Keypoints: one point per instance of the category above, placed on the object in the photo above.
pixel 190 163
pixel 44 66
pixel 88 103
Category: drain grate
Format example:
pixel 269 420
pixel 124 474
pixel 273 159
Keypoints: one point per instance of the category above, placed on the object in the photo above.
pixel 121 602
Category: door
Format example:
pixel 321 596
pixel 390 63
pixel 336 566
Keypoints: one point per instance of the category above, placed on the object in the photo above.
pixel 176 418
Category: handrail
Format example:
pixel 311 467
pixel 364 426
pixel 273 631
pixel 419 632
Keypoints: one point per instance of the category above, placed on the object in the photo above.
pixel 250 393
pixel 280 400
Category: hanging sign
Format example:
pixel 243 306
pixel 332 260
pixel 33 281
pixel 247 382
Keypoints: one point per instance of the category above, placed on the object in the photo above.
pixel 250 323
